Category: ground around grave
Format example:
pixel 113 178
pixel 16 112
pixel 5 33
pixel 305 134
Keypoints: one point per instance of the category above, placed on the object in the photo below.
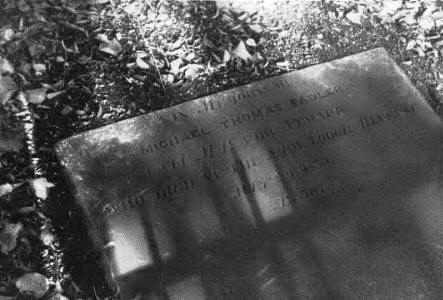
pixel 69 66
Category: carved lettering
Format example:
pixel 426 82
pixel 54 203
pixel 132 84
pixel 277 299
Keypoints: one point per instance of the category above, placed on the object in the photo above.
pixel 175 140
pixel 173 189
pixel 317 192
pixel 259 135
pixel 173 163
pixel 376 119
pixel 332 112
pixel 211 105
pixel 331 135
pixel 129 203
pixel 309 98
pixel 285 150
pixel 216 150
pixel 252 115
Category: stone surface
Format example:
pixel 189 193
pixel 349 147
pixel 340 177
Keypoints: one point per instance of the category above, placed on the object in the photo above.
pixel 323 182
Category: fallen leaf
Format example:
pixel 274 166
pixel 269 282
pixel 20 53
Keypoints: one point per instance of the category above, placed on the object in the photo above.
pixel 141 54
pixel 53 95
pixel 226 56
pixel 133 9
pixel 192 70
pixel 409 19
pixel 8 236
pixel 118 36
pixel 175 66
pixel 6 35
pixel 427 23
pixel 391 6
pixel 6 66
pixel 437 14
pixel 111 47
pixel 283 64
pixel 7 88
pixel 36 49
pixel 141 63
pixel 139 77
pixel 251 42
pixel 190 56
pixel 354 17
pixel 420 52
pixel 439 23
pixel 36 96
pixel 215 57
pixel 23 6
pixel 257 56
pixel 83 59
pixel 39 68
pixel 411 44
pixel 158 62
pixel 26 209
pixel 102 37
pixel 40 187
pixel 176 44
pixel 241 51
pixel 34 284
pixel 257 28
pixel 66 110
pixel 243 16
pixel 47 237
pixel 6 189
pixel 168 78
pixel 24 67
pixel 284 34
pixel 74 27
pixel 217 13
pixel 209 69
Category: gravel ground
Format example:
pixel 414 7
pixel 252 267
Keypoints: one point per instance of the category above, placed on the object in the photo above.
pixel 69 66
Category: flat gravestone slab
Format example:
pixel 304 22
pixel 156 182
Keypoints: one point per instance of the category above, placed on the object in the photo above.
pixel 319 183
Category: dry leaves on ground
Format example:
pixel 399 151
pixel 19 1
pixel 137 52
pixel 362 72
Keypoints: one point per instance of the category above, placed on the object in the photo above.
pixel 36 96
pixel 112 47
pixel 8 236
pixel 41 186
pixel 7 89
pixel 34 284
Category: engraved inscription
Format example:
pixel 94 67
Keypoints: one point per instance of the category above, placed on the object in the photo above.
pixel 331 134
pixel 379 118
pixel 316 96
pixel 257 114
pixel 339 160
pixel 297 122
pixel 220 152
pixel 175 140
pixel 251 122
